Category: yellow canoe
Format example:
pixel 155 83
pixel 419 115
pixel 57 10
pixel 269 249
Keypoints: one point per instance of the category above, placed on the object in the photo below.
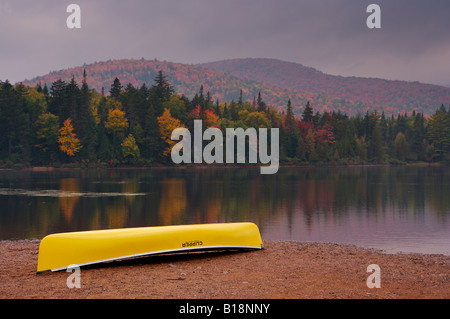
pixel 58 251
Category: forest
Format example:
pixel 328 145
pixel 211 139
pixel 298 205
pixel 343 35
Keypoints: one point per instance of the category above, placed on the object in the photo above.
pixel 73 125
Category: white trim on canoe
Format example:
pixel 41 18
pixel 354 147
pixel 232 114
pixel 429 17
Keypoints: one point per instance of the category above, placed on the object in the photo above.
pixel 154 253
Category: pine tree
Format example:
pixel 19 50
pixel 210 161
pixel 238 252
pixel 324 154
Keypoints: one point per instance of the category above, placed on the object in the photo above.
pixel 290 132
pixel 164 90
pixel 57 103
pixel 419 137
pixel 217 108
pixel 47 127
pixel 310 145
pixel 376 148
pixel 45 91
pixel 116 89
pixel 14 121
pixel 85 124
pixel 225 113
pixel 71 101
pixel 301 149
pixel 439 131
pixel 307 115
pixel 290 122
pixel 261 106
pixel 152 142
pixel 160 93
pixel 401 146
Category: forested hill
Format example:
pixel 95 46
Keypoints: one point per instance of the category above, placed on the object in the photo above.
pixel 391 96
pixel 276 80
pixel 185 79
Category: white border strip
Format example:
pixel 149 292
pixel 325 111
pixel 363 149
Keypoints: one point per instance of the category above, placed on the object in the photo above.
pixel 155 253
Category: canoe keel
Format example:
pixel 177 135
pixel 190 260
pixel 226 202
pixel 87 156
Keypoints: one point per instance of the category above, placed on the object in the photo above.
pixel 58 251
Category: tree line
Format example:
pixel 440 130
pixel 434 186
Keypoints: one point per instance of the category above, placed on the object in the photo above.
pixel 73 125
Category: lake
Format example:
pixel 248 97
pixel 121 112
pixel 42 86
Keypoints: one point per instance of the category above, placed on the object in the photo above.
pixel 396 209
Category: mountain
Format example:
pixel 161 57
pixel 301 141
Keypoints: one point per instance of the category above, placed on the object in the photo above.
pixel 277 81
pixel 390 96
pixel 187 80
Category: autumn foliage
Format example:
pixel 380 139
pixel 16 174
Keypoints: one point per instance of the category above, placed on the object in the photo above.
pixel 117 123
pixel 209 118
pixel 131 124
pixel 68 142
pixel 276 80
pixel 166 126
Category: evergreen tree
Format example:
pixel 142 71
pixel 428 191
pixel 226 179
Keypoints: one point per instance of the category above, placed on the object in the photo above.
pixel 160 93
pixel 225 114
pixel 47 132
pixel 85 123
pixel 14 121
pixel 290 132
pixel 439 132
pixel 261 106
pixel 401 146
pixel 71 101
pixel 163 89
pixel 233 111
pixel 307 115
pixel 58 104
pixel 116 89
pixel 419 137
pixel 152 148
pixel 372 133
pixel 290 122
pixel 310 145
pixel 301 149
pixel 384 128
pixel 217 108
pixel 45 91
pixel 131 99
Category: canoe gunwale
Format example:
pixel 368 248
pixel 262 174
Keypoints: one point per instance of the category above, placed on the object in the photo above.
pixel 159 252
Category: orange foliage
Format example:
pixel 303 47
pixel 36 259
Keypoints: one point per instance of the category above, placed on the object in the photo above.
pixel 68 142
pixel 210 119
pixel 167 124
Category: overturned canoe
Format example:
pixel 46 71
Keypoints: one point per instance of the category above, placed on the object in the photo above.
pixel 58 251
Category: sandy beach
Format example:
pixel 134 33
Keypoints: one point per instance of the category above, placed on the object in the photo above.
pixel 287 270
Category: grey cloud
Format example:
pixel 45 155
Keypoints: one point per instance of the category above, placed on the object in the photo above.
pixel 330 35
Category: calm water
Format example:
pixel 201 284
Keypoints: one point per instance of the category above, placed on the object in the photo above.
pixel 392 208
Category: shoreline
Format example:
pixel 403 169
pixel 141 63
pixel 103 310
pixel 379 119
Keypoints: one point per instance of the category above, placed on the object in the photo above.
pixel 284 269
pixel 215 166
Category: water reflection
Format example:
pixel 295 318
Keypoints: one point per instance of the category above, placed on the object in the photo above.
pixel 173 201
pixel 393 208
pixel 67 203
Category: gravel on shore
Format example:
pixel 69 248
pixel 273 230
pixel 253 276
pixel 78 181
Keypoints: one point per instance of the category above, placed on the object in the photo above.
pixel 288 270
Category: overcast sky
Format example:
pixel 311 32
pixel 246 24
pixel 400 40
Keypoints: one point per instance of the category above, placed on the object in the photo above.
pixel 329 35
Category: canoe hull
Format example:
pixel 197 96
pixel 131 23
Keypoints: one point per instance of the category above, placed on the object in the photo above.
pixel 58 251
